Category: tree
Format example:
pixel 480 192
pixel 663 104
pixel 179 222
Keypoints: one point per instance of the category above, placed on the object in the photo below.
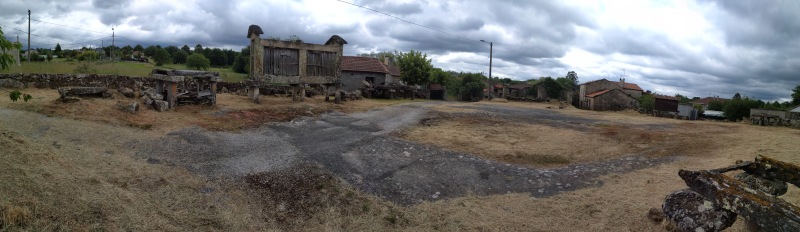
pixel 171 49
pixel 5 59
pixel 472 86
pixel 197 61
pixel 737 96
pixel 49 56
pixel 796 95
pixel 126 51
pixel 415 67
pixel 217 57
pixel 716 105
pixel 179 57
pixel 161 56
pixel 682 99
pixel 138 48
pixel 88 55
pixel 647 102
pixel 186 49
pixel 198 48
pixel 57 50
pixel 738 108
pixel 242 62
pixel 441 77
pixel 150 50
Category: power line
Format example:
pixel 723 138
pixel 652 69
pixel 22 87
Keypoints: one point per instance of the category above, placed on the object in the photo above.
pixel 69 26
pixel 406 21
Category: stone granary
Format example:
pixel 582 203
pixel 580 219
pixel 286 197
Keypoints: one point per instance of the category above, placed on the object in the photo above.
pixel 182 86
pixel 298 64
pixel 609 95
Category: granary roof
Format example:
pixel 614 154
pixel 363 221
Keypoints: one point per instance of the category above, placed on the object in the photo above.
pixel 363 64
pixel 664 97
pixel 335 39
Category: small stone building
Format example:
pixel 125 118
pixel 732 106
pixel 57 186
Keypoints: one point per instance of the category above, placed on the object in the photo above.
pixel 599 91
pixel 666 104
pixel 610 99
pixel 357 69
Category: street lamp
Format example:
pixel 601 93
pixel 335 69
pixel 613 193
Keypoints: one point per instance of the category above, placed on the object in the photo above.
pixel 491 86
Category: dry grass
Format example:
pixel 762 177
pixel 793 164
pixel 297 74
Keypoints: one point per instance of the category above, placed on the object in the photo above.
pixel 543 145
pixel 72 187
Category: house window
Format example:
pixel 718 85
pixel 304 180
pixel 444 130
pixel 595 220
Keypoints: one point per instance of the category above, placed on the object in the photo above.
pixel 371 80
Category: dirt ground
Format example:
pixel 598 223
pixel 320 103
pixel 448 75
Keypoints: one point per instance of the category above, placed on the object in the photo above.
pixel 54 181
pixel 232 112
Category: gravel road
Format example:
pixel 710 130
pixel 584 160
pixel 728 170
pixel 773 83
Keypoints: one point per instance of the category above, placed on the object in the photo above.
pixel 355 147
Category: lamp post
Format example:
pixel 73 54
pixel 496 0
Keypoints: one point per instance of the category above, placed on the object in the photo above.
pixel 491 86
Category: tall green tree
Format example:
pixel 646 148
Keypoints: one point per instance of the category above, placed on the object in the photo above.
pixel 179 57
pixel 796 95
pixel 439 76
pixel 716 105
pixel 415 67
pixel 186 49
pixel 242 62
pixel 198 48
pixel 198 61
pixel 161 57
pixel 138 48
pixel 738 108
pixel 6 59
pixel 57 50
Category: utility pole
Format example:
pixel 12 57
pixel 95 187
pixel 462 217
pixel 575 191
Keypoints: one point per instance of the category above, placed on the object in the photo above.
pixel 29 36
pixel 491 86
pixel 112 46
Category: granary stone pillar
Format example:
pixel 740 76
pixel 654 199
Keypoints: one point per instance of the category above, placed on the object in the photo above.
pixel 172 94
pixel 213 85
pixel 302 93
pixel 256 60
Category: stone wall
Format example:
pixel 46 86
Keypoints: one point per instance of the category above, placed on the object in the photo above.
pixel 53 81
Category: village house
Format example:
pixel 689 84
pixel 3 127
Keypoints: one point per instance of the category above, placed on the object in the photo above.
pixel 604 95
pixel 357 69
pixel 14 54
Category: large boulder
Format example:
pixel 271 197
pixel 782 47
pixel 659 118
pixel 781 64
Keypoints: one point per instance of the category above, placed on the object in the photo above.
pixel 83 92
pixel 127 92
pixel 160 105
pixel 131 107
pixel 11 83
pixel 146 100
pixel 152 94
pixel 690 211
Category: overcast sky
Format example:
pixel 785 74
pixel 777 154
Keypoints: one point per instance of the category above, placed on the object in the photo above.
pixel 695 48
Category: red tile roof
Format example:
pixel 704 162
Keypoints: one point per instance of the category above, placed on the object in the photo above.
pixel 598 93
pixel 393 70
pixel 363 64
pixel 630 86
pixel 710 99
